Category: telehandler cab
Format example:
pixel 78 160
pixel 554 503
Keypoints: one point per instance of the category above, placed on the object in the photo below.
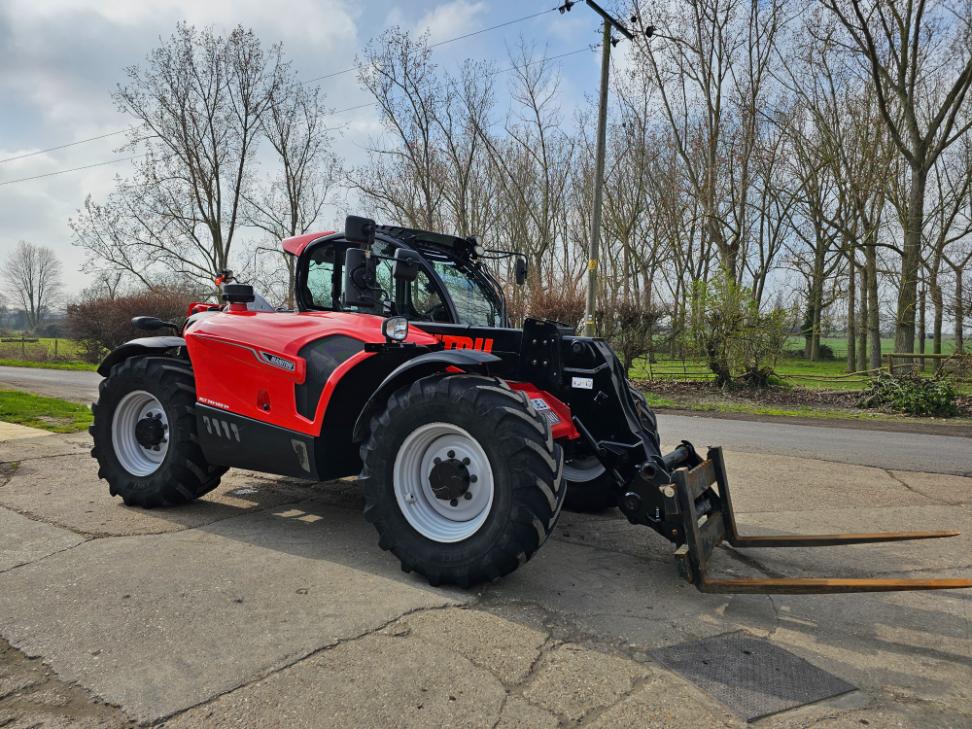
pixel 399 365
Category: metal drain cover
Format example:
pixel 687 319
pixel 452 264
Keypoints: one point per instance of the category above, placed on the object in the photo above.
pixel 751 676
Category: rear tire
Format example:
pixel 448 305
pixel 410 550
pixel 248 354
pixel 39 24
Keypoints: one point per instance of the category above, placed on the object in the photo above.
pixel 169 472
pixel 589 486
pixel 492 430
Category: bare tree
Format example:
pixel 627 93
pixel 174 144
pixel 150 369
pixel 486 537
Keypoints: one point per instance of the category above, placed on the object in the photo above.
pixel 291 202
pixel 199 101
pixel 403 180
pixel 32 278
pixel 919 58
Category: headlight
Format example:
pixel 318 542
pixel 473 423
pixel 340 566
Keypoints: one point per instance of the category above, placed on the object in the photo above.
pixel 395 328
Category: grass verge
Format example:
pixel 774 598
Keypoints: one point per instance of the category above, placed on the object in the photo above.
pixel 730 406
pixel 49 364
pixel 46 413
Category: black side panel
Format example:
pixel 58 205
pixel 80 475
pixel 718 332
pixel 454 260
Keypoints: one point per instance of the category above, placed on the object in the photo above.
pixel 232 440
pixel 337 453
pixel 323 357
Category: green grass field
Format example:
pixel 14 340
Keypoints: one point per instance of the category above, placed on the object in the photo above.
pixel 839 345
pixel 821 375
pixel 45 352
pixel 50 364
pixel 46 413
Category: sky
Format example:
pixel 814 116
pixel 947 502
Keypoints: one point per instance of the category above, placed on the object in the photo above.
pixel 61 59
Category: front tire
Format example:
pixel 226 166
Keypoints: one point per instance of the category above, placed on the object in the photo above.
pixel 462 479
pixel 144 434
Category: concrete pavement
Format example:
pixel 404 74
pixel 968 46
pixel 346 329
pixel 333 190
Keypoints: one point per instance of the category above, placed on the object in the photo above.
pixel 268 603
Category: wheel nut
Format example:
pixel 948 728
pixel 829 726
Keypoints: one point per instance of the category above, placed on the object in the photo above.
pixel 465 461
pixel 467 495
pixel 473 478
pixel 453 502
pixel 437 460
pixel 452 454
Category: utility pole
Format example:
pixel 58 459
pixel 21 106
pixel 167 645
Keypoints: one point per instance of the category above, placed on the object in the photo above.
pixel 590 309
pixel 607 42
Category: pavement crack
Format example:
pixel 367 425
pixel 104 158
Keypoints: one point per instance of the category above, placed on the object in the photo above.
pixel 915 490
pixel 46 556
pixel 294 660
pixel 42 457
pixel 897 479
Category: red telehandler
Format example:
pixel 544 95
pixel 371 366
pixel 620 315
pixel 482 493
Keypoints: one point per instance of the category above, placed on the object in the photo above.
pixel 468 436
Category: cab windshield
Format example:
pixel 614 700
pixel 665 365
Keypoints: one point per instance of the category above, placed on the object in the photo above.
pixel 471 293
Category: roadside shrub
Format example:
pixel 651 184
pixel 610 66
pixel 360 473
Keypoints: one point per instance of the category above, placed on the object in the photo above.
pixel 629 326
pixel 824 353
pixel 734 336
pixel 563 304
pixel 100 324
pixel 911 394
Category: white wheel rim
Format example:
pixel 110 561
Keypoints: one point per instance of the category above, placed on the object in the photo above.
pixel 583 470
pixel 134 457
pixel 442 520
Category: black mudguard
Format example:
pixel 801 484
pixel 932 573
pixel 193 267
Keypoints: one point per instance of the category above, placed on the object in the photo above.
pixel 136 347
pixel 469 360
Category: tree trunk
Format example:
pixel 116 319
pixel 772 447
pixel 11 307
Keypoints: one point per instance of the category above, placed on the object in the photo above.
pixel 921 326
pixel 851 318
pixel 959 315
pixel 873 314
pixel 862 326
pixel 904 336
pixel 938 306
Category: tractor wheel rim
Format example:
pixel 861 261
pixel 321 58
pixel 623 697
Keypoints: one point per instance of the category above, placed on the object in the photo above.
pixel 440 519
pixel 583 470
pixel 134 456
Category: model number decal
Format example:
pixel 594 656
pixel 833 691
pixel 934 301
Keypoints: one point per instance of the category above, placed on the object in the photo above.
pixel 582 383
pixel 275 361
pixel 214 403
pixel 454 341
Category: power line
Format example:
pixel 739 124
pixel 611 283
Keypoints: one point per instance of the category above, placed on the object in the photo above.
pixel 547 59
pixel 308 81
pixel 442 42
pixel 74 169
pixel 63 146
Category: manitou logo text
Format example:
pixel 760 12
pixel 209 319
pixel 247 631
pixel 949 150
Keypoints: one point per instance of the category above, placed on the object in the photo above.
pixel 451 341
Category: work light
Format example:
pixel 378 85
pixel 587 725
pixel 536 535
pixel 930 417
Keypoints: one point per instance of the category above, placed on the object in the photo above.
pixel 395 328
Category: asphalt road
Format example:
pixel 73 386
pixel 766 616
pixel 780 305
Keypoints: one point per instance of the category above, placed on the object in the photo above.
pixel 80 386
pixel 882 449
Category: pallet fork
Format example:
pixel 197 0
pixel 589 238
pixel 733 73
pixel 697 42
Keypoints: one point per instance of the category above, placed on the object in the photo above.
pixel 699 498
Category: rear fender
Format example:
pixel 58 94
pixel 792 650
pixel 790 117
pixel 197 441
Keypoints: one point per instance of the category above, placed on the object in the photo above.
pixel 467 360
pixel 138 348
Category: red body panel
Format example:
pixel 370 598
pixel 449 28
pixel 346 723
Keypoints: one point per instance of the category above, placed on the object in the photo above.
pixel 231 373
pixel 296 245
pixel 554 410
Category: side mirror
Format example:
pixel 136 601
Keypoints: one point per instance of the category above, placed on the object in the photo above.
pixel 520 270
pixel 406 266
pixel 360 288
pixel 149 323
pixel 359 230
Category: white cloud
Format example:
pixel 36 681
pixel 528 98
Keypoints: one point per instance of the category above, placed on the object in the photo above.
pixel 450 20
